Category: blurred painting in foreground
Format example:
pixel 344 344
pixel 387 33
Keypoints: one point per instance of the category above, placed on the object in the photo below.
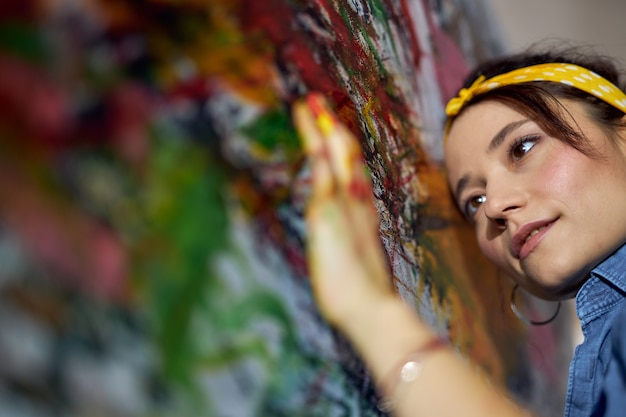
pixel 151 197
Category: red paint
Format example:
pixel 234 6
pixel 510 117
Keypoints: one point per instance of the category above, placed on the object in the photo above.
pixel 416 51
pixel 309 57
pixel 360 190
pixel 33 103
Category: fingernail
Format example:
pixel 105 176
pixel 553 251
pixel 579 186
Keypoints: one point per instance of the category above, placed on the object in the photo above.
pixel 325 120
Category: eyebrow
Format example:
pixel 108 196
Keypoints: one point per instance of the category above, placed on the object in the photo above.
pixel 495 142
pixel 503 133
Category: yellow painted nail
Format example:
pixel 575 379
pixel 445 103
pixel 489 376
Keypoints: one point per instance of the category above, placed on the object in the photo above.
pixel 326 121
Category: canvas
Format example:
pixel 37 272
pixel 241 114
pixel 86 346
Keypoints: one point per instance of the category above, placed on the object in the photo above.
pixel 152 189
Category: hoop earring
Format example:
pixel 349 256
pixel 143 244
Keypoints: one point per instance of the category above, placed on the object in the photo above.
pixel 526 319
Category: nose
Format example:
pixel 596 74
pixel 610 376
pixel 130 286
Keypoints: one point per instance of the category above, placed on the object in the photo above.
pixel 503 199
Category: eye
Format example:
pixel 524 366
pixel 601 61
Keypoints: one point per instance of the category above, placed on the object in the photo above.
pixel 522 146
pixel 473 204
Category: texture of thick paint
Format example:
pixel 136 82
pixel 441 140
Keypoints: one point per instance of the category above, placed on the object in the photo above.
pixel 151 198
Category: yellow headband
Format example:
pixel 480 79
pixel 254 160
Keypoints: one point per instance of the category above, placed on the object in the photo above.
pixel 569 74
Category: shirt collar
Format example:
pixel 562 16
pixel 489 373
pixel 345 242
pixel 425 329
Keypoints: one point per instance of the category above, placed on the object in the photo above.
pixel 606 286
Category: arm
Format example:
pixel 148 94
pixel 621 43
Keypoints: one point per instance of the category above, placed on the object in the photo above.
pixel 352 287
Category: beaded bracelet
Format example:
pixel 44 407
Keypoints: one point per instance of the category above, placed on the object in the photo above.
pixel 408 371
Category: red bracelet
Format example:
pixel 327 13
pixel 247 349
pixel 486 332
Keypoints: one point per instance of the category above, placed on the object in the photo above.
pixel 406 372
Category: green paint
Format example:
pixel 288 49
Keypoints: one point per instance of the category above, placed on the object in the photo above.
pixel 439 274
pixel 378 10
pixel 344 15
pixel 187 226
pixel 24 41
pixel 273 131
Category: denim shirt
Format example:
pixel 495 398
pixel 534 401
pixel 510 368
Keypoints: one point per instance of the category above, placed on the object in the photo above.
pixel 597 377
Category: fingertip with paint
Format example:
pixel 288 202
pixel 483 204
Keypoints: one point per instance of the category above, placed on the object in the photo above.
pixel 306 126
pixel 324 118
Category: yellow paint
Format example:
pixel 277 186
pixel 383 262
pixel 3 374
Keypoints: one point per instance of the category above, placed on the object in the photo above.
pixel 366 114
pixel 325 123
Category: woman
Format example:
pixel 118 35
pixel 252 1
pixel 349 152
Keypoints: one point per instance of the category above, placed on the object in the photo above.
pixel 535 151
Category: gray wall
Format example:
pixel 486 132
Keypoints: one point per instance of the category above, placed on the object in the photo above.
pixel 598 23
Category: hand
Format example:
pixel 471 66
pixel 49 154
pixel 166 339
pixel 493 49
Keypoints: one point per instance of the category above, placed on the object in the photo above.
pixel 347 264
pixel 352 284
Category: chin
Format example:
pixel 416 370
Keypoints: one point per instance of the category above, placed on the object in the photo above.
pixel 553 293
pixel 555 290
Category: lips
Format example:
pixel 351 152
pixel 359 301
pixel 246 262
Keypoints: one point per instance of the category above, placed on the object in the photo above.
pixel 528 237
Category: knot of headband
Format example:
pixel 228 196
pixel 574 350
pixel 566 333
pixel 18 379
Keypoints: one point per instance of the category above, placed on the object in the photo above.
pixel 569 74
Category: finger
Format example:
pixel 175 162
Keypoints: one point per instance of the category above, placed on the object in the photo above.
pixel 353 183
pixel 347 163
pixel 340 153
pixel 340 164
pixel 307 127
pixel 321 171
pixel 336 242
pixel 344 150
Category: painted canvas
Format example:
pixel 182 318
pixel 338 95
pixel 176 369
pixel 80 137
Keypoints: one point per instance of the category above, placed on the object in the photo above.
pixel 152 189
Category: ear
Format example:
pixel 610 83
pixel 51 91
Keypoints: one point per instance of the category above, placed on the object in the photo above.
pixel 621 127
pixel 620 134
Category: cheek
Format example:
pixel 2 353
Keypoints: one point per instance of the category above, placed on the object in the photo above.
pixel 562 175
pixel 491 248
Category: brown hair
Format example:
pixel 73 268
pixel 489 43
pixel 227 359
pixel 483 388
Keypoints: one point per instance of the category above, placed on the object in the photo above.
pixel 539 100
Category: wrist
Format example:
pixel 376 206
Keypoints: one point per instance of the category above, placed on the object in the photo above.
pixel 385 331
pixel 368 316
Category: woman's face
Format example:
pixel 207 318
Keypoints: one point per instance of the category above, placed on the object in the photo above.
pixel 543 212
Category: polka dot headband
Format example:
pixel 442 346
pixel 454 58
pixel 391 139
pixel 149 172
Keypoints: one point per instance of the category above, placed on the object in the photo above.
pixel 568 74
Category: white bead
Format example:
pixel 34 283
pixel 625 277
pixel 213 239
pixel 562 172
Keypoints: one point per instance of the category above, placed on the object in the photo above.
pixel 410 371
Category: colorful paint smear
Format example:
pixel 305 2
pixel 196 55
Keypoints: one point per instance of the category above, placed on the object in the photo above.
pixel 151 197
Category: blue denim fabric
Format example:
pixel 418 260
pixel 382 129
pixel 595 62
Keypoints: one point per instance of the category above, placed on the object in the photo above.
pixel 596 385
